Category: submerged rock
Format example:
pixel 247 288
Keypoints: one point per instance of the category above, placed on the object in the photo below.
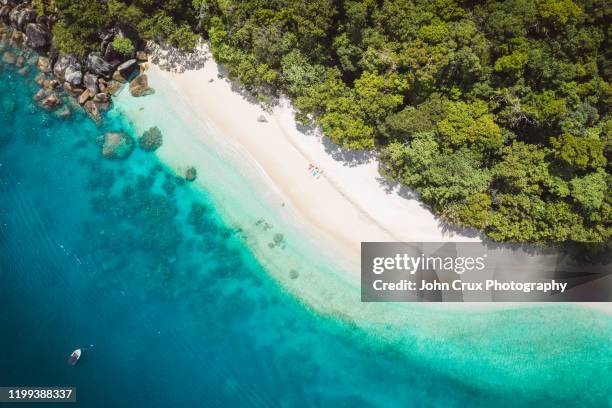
pixel 64 113
pixel 20 61
pixel 151 139
pixel 191 173
pixel 9 58
pixel 117 145
pixel 140 86
pixel 40 95
pixel 92 110
pixel 51 102
pixel 40 79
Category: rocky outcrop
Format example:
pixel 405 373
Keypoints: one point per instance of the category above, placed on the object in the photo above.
pixel 97 65
pixel 140 86
pixel 62 64
pixel 117 145
pixel 39 36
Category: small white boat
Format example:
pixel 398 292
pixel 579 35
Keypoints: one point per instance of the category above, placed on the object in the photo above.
pixel 74 357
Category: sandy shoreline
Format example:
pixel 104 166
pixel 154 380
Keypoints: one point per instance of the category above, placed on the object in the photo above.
pixel 348 204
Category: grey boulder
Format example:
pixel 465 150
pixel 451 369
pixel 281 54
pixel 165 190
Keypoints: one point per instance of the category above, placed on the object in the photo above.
pixel 73 74
pixel 39 36
pixel 97 65
pixel 62 64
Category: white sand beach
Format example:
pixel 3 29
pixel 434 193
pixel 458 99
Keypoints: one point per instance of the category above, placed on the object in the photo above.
pixel 349 203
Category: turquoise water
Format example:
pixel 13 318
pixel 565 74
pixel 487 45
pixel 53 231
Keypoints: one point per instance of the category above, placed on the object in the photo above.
pixel 173 309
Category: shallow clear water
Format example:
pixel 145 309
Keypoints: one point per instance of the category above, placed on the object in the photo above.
pixel 173 309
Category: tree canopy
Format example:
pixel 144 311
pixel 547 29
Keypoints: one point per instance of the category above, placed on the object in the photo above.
pixel 496 112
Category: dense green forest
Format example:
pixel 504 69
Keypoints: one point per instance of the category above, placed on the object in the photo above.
pixel 496 112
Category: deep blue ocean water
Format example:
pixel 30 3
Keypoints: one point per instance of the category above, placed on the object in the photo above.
pixel 134 265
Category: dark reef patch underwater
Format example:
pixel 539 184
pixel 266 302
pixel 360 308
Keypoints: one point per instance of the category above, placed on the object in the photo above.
pixel 123 258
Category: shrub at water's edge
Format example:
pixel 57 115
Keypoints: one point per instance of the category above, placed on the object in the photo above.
pixel 151 139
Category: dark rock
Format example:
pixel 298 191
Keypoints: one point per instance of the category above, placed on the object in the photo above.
pixel 73 74
pixel 92 110
pixel 25 17
pixel 127 68
pixel 39 35
pixel 62 64
pixel 117 145
pixel 4 13
pixel 191 174
pixel 101 98
pixel 151 139
pixel 140 86
pixel 91 83
pixel 97 65
pixel 44 20
pixel 20 16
